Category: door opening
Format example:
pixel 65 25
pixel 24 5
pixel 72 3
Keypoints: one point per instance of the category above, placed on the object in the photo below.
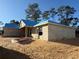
pixel 29 32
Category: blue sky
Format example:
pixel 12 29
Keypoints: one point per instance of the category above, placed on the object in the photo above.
pixel 15 9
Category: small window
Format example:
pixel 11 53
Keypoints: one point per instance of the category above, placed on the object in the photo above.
pixel 40 31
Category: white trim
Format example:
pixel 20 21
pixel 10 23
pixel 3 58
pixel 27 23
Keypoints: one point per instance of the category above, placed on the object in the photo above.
pixel 56 24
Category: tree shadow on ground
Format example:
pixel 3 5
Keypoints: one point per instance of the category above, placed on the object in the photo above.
pixel 11 54
pixel 25 40
pixel 74 42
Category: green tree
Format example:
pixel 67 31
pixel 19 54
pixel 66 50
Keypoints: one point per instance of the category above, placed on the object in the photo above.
pixel 66 14
pixel 45 15
pixel 1 23
pixel 75 22
pixel 50 13
pixel 14 21
pixel 33 12
pixel 53 12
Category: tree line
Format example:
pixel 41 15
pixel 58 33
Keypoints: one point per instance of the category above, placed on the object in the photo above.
pixel 64 13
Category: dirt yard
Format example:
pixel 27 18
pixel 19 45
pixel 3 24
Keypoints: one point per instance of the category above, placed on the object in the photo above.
pixel 38 49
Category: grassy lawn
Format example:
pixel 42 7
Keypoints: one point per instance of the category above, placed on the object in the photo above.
pixel 39 49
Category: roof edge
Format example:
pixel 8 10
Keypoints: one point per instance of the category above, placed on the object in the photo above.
pixel 62 25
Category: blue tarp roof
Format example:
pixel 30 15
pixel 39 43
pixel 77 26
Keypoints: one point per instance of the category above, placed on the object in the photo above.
pixel 11 25
pixel 34 23
pixel 30 22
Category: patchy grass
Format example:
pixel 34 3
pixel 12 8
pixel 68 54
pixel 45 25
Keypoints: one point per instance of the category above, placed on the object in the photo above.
pixel 39 49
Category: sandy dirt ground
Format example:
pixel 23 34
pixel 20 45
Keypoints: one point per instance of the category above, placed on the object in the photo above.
pixel 39 49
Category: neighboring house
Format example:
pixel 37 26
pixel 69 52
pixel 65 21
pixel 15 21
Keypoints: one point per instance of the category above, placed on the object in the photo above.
pixel 27 26
pixel 12 30
pixel 47 30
